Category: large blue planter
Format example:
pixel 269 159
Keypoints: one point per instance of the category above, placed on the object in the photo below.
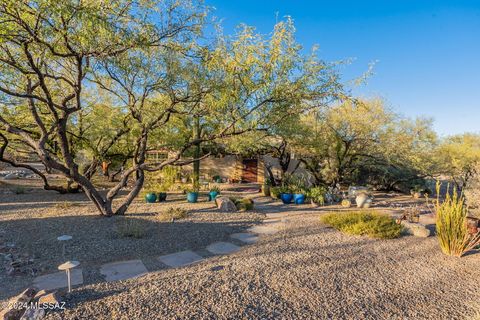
pixel 286 197
pixel 192 197
pixel 212 195
pixel 151 197
pixel 299 198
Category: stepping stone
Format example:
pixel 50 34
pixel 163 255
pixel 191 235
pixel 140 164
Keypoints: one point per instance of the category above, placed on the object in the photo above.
pixel 123 270
pixel 245 237
pixel 275 215
pixel 58 280
pixel 222 248
pixel 265 229
pixel 180 259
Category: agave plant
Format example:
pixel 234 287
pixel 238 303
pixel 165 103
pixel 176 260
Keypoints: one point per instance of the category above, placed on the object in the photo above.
pixel 452 230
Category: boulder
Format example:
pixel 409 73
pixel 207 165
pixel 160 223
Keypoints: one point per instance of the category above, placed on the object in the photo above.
pixel 225 204
pixel 16 306
pixel 416 229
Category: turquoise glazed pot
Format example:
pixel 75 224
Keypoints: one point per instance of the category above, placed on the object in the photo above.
pixel 286 197
pixel 162 196
pixel 299 198
pixel 212 195
pixel 192 197
pixel 151 197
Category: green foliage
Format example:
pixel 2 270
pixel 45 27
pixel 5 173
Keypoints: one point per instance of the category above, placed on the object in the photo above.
pixel 451 226
pixel 19 190
pixel 131 228
pixel 458 157
pixel 243 204
pixel 215 189
pixel 275 192
pixel 172 214
pixel 317 195
pixel 472 193
pixel 369 223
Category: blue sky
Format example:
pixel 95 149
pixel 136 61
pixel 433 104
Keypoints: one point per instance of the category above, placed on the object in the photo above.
pixel 427 52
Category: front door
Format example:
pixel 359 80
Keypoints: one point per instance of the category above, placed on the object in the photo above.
pixel 250 168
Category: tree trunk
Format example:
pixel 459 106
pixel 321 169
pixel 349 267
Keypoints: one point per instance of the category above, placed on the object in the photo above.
pixel 196 155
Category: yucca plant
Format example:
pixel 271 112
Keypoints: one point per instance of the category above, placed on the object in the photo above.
pixel 452 231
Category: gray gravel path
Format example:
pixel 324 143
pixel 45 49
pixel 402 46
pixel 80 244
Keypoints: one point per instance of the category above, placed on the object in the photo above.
pixel 308 271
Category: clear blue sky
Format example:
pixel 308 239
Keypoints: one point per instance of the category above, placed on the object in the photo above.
pixel 427 52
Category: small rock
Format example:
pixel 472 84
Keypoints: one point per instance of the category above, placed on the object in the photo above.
pixel 225 204
pixel 416 229
pixel 33 314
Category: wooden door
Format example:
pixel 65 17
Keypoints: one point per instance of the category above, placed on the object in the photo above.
pixel 250 171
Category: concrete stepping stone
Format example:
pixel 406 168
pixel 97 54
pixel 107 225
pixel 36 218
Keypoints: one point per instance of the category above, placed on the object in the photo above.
pixel 123 270
pixel 222 248
pixel 266 229
pixel 245 237
pixel 58 280
pixel 275 215
pixel 180 259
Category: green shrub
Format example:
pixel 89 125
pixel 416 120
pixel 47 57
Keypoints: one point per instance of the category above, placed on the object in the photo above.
pixel 361 223
pixel 172 214
pixel 131 228
pixel 275 192
pixel 452 230
pixel 317 195
pixel 243 204
pixel 19 190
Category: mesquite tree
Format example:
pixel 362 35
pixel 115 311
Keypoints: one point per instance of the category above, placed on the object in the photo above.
pixel 144 61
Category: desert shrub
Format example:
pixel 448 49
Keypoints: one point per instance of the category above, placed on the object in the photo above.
pixel 472 193
pixel 172 214
pixel 452 230
pixel 361 223
pixel 243 204
pixel 275 192
pixel 19 190
pixel 317 195
pixel 131 228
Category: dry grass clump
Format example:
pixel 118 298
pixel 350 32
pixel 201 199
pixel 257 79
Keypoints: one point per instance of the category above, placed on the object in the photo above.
pixel 131 228
pixel 172 214
pixel 369 223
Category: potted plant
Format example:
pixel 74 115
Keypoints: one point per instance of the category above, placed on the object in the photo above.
pixel 150 197
pixel 214 192
pixel 299 195
pixel 192 194
pixel 286 194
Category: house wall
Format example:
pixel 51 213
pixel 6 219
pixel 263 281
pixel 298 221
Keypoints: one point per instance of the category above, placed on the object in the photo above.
pixel 231 167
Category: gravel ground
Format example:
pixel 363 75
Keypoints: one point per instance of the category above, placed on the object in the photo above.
pixel 33 221
pixel 308 271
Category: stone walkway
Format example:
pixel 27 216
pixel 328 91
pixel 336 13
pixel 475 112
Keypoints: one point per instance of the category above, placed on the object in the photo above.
pixel 122 270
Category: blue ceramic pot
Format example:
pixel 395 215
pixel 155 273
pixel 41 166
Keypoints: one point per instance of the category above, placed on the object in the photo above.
pixel 192 197
pixel 212 195
pixel 162 196
pixel 151 197
pixel 299 198
pixel 286 197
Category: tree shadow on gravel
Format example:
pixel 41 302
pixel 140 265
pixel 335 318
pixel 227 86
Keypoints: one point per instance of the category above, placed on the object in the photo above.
pixel 98 240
